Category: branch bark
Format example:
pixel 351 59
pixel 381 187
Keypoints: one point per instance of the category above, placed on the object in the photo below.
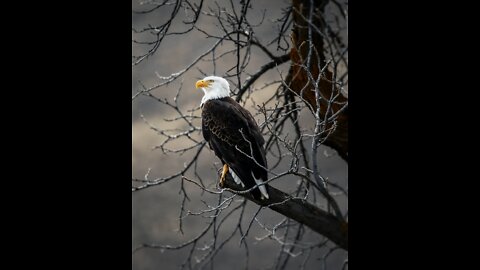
pixel 303 212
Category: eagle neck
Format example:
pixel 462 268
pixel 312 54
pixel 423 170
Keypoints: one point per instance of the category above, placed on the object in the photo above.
pixel 213 95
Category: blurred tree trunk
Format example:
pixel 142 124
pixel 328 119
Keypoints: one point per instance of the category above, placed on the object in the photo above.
pixel 298 78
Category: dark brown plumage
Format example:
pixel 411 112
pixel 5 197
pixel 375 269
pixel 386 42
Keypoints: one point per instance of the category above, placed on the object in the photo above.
pixel 223 122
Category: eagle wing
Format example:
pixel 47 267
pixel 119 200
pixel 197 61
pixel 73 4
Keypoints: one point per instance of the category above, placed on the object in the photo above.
pixel 228 128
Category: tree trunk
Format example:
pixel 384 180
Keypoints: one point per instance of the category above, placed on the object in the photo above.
pixel 298 78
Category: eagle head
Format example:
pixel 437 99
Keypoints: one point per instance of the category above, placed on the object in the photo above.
pixel 214 88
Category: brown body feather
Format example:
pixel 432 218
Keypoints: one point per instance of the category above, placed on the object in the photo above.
pixel 223 122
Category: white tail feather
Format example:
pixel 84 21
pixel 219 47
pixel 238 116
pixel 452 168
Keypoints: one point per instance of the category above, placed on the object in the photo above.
pixel 262 188
pixel 236 178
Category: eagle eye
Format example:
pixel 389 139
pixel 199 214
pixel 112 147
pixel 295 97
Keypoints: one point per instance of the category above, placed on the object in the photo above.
pixel 210 80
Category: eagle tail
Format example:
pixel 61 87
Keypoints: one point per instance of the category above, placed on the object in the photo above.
pixel 247 179
pixel 263 189
pixel 236 178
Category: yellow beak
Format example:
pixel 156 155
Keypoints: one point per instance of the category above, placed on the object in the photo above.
pixel 201 83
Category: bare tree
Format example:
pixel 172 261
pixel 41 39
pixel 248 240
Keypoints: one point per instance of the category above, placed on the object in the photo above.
pixel 303 105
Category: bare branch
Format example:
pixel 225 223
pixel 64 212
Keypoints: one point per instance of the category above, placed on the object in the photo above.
pixel 303 212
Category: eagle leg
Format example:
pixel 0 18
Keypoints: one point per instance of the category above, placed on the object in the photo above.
pixel 224 174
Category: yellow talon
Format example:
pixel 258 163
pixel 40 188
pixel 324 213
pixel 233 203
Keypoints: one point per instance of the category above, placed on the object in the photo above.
pixel 224 174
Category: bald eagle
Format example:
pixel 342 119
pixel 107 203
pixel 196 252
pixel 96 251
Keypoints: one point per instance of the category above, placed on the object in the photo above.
pixel 234 136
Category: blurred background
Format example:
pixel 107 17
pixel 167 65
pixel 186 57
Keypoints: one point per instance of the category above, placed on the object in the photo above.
pixel 156 210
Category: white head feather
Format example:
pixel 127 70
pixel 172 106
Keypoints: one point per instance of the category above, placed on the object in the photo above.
pixel 214 88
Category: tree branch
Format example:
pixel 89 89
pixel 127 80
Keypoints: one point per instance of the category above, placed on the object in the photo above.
pixel 250 80
pixel 302 211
